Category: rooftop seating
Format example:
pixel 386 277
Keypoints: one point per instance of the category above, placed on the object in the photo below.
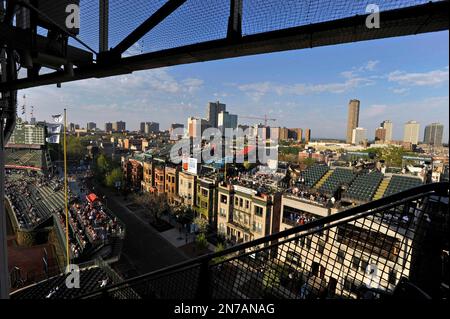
pixel 340 176
pixel 22 157
pixel 313 174
pixel 401 183
pixel 364 186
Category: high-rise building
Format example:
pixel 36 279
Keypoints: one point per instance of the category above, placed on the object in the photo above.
pixel 119 126
pixel 71 127
pixel 359 135
pixel 151 127
pixel 387 125
pixel 352 118
pixel 196 127
pixel 411 132
pixel 108 127
pixel 91 126
pixel 142 127
pixel 307 135
pixel 284 133
pixel 433 134
pixel 176 131
pixel 213 110
pixel 380 134
pixel 226 120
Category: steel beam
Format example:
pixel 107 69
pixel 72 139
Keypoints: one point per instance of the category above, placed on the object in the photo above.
pixel 394 23
pixel 156 18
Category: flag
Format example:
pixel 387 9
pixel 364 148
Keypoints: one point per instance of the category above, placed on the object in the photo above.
pixel 57 118
pixel 54 128
pixel 53 139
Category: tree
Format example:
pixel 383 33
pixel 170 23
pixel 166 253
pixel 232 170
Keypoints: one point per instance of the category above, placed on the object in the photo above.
pixel 102 164
pixel 202 224
pixel 75 150
pixel 220 247
pixel 201 241
pixel 155 205
pixel 114 176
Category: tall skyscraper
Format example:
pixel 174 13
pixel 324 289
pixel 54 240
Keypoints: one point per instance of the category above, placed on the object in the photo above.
pixel 411 132
pixel 213 110
pixel 307 135
pixel 227 120
pixel 433 134
pixel 352 119
pixel 387 125
pixel 196 127
pixel 380 134
pixel 176 131
pixel 91 126
pixel 142 127
pixel 359 135
pixel 108 127
pixel 119 126
pixel 151 127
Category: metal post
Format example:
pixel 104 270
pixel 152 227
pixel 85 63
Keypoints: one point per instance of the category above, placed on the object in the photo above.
pixel 104 24
pixel 4 280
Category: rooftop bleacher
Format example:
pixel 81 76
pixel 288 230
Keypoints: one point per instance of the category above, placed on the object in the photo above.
pixel 22 157
pixel 401 183
pixel 33 197
pixel 364 186
pixel 313 174
pixel 338 177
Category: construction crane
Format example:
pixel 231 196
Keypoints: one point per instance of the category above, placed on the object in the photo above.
pixel 265 118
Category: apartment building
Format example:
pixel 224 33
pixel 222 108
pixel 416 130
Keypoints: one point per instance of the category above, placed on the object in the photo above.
pixel 132 172
pixel 343 257
pixel 159 179
pixel 205 205
pixel 171 183
pixel 244 214
pixel 148 176
pixel 186 189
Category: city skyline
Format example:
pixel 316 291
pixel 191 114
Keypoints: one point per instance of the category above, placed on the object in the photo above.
pixel 295 87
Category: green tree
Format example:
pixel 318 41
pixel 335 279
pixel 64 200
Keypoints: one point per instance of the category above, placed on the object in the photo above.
pixel 75 149
pixel 220 247
pixel 112 177
pixel 202 224
pixel 201 241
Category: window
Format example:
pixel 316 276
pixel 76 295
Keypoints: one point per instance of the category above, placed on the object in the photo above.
pixel 189 185
pixel 222 212
pixel 223 199
pixel 236 201
pixel 355 262
pixel 308 243
pixel 364 264
pixel 293 257
pixel 257 227
pixel 392 277
pixel 241 202
pixel 321 246
pixel 258 211
pixel 247 204
pixel 340 256
pixel 204 192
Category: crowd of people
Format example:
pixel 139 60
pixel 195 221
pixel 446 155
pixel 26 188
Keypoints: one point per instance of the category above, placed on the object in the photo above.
pixel 23 191
pixel 94 221
pixel 313 196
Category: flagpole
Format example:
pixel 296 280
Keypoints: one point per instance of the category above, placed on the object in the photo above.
pixel 65 193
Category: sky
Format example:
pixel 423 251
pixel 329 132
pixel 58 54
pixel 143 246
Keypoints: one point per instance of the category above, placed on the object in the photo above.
pixel 397 79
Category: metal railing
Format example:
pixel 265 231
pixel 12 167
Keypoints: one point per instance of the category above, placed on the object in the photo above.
pixel 362 252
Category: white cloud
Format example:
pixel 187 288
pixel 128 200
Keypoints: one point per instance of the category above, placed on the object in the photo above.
pixel 431 78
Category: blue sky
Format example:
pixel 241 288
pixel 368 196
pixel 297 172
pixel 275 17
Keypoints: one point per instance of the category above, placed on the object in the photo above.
pixel 399 79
